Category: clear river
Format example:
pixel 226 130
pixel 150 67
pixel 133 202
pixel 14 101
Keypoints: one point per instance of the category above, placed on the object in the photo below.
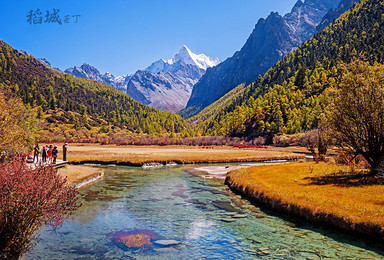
pixel 168 213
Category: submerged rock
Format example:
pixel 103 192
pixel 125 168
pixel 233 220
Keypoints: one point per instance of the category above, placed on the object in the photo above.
pixel 136 238
pixel 264 251
pixel 180 193
pixel 171 164
pixel 225 205
pixel 152 165
pixel 228 219
pixel 239 216
pixel 166 242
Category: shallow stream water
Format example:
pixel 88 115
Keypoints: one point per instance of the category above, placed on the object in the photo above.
pixel 199 218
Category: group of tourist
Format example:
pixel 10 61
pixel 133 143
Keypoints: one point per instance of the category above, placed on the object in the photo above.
pixel 48 153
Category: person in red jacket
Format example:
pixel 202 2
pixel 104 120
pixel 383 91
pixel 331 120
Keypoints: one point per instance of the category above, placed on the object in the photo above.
pixel 50 153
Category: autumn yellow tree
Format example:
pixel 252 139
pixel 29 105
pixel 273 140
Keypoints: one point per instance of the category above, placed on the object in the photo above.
pixel 17 125
pixel 356 116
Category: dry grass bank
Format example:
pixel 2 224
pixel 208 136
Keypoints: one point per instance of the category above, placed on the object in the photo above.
pixel 78 174
pixel 138 155
pixel 316 192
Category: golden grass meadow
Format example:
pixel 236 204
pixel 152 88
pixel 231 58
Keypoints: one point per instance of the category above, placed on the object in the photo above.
pixel 318 187
pixel 138 155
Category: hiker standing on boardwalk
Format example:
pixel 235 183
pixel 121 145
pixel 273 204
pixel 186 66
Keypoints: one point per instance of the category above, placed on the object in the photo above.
pixel 50 153
pixel 65 148
pixel 44 154
pixel 54 154
pixel 36 152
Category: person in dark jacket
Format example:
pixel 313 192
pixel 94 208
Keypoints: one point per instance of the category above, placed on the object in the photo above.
pixel 65 148
pixel 36 152
pixel 55 152
pixel 44 154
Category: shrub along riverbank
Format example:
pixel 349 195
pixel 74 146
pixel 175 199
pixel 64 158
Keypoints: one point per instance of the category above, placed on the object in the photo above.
pixel 319 193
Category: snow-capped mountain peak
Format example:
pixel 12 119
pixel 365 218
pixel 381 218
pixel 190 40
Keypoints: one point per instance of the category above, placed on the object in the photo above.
pixel 186 56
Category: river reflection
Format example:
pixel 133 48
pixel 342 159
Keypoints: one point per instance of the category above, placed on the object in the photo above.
pixel 188 218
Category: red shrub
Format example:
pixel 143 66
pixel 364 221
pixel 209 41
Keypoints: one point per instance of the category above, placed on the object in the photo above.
pixel 29 199
pixel 247 145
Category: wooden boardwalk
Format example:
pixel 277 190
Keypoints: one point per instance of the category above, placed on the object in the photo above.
pixel 60 164
pixel 57 165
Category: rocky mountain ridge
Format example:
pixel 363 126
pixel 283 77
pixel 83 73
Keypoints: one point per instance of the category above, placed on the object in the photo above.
pixel 272 38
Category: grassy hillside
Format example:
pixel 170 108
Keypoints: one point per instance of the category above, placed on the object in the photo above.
pixel 292 95
pixel 61 99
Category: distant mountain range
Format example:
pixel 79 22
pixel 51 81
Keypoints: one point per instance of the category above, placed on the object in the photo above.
pixel 165 84
pixel 87 71
pixel 272 38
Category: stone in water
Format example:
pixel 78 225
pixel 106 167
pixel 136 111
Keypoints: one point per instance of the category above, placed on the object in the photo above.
pixel 167 242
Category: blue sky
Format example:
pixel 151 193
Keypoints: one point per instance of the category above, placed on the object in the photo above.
pixel 122 36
